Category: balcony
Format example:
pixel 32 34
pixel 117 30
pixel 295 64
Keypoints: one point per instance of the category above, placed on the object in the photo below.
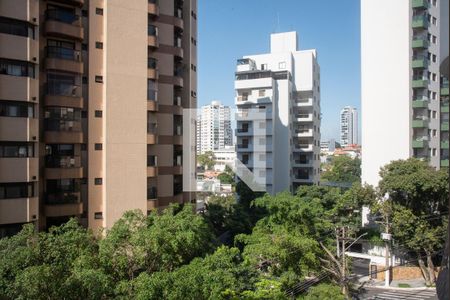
pixel 419 143
pixel 302 163
pixel 63 24
pixel 419 63
pixel 152 193
pixel 444 126
pixel 444 144
pixel 420 123
pixel 419 83
pixel 19 210
pixel 57 167
pixel 19 129
pixel 419 43
pixel 63 197
pixel 444 107
pixel 153 7
pixel 15 87
pixel 303 132
pixel 420 104
pixel 62 210
pixel 444 91
pixel 63 94
pixel 304 117
pixel 64 59
pixel 303 148
pixel 421 4
pixel 303 102
pixel 152 70
pixel 152 32
pixel 25 169
pixel 444 163
pixel 419 22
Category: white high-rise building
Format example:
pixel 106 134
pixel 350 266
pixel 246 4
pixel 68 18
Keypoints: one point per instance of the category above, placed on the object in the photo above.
pixel 283 85
pixel 404 98
pixel 349 126
pixel 214 128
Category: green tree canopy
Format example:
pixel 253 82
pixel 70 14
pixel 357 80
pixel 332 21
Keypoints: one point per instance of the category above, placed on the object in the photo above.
pixel 206 160
pixel 343 169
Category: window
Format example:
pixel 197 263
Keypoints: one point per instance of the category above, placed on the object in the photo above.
pixel 262 93
pixel 84 114
pixel 262 157
pixel 16 27
pixel 16 190
pixel 433 20
pixel 434 152
pixel 434 2
pixel 84 13
pixel 98 181
pixel 193 94
pixel 99 45
pixel 98 215
pixel 194 15
pixel 193 68
pixel 16 149
pixel 434 114
pixel 16 68
pixel 433 76
pixel 433 58
pixel 152 90
pixel 84 47
pixel 193 41
pixel 263 66
pixel 434 39
pixel 262 125
pixel 99 79
pixel 98 113
pixel 434 95
pixel 262 141
pixel 83 147
pixel 282 65
pixel 16 109
pixel 99 11
pixel 98 147
pixel 434 132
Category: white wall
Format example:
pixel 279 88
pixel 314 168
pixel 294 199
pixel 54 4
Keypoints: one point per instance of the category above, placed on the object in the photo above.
pixel 385 87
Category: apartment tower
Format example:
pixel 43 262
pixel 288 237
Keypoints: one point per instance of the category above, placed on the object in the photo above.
pixel 349 126
pixel 214 128
pixel 278 119
pixel 91 100
pixel 404 96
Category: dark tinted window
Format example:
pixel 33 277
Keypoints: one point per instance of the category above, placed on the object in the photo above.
pixel 16 27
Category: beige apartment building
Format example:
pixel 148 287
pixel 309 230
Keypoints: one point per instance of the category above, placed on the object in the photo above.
pixel 91 100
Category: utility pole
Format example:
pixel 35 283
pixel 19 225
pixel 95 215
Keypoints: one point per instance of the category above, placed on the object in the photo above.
pixel 386 243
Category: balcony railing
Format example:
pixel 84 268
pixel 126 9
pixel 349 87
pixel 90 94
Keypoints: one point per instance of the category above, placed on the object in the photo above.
pixel 61 161
pixel 62 16
pixel 177 188
pixel 62 88
pixel 242 130
pixel 61 125
pixel 152 161
pixel 63 53
pixel 152 128
pixel 62 198
pixel 242 146
pixel 152 193
pixel 152 30
pixel 301 176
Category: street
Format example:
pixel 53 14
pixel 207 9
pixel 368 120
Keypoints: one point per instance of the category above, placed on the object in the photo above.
pixel 398 294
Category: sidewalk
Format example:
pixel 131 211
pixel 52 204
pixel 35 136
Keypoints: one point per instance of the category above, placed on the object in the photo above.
pixel 412 284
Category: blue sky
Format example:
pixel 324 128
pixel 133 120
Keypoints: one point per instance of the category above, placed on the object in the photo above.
pixel 230 29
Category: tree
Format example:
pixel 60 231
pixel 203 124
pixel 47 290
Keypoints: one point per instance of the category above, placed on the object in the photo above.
pixel 221 275
pixel 206 160
pixel 343 169
pixel 414 191
pixel 137 244
pixel 324 291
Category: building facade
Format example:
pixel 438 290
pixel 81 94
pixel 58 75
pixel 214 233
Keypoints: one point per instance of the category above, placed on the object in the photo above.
pixel 349 126
pixel 404 95
pixel 278 118
pixel 91 101
pixel 214 128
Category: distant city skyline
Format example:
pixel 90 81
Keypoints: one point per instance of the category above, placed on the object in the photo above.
pixel 334 32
